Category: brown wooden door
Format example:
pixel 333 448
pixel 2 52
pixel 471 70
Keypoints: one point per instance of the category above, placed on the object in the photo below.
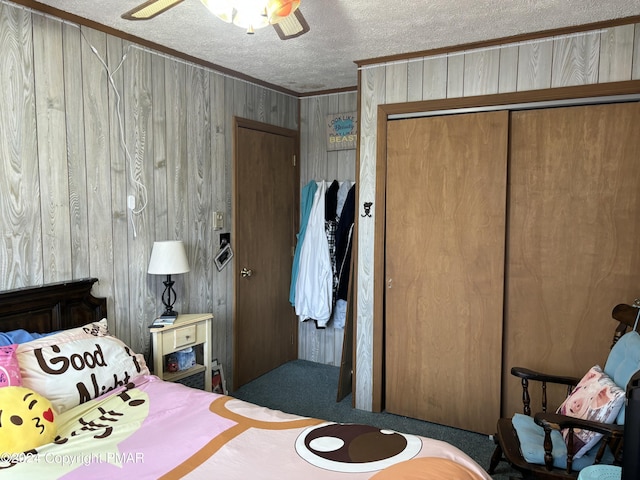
pixel 265 191
pixel 573 245
pixel 444 268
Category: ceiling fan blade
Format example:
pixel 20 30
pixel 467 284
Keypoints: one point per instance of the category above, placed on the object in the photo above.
pixel 150 9
pixel 292 26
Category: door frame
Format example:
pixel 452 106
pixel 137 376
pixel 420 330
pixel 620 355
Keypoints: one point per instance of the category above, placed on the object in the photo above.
pixel 239 122
pixel 564 96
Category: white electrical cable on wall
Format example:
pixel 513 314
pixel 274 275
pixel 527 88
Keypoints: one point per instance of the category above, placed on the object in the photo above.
pixel 141 189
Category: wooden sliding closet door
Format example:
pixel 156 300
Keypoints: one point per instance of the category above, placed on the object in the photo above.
pixel 444 267
pixel 574 237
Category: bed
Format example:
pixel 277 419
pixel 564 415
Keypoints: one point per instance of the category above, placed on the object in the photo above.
pixel 116 420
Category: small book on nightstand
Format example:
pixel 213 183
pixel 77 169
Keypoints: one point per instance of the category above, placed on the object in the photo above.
pixel 163 321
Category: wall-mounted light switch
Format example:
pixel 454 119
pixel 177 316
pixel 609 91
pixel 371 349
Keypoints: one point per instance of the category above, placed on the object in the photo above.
pixel 218 220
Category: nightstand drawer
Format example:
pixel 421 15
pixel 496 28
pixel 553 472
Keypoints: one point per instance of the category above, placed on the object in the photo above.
pixel 183 337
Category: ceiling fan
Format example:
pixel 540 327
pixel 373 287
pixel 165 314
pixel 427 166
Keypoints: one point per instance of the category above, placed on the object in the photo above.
pixel 283 15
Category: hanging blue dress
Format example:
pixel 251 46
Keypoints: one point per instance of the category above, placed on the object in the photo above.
pixel 306 202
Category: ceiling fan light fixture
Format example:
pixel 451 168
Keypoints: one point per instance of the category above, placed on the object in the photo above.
pixel 247 14
pixel 278 10
pixel 252 14
pixel 223 9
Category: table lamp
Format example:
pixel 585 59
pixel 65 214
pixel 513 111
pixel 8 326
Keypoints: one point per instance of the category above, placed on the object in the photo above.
pixel 168 258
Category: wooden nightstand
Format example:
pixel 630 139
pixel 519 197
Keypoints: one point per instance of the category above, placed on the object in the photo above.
pixel 189 330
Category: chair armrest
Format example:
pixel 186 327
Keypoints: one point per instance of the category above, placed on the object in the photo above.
pixel 528 374
pixel 554 421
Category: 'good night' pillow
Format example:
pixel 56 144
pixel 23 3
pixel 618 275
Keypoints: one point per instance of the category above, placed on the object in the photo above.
pixel 77 365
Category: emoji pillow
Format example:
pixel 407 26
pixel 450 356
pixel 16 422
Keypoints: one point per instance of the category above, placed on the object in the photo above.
pixel 27 420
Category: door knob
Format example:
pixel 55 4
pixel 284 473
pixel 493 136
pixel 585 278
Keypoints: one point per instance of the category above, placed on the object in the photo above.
pixel 246 272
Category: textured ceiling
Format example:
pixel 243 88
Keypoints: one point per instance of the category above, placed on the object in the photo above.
pixel 342 32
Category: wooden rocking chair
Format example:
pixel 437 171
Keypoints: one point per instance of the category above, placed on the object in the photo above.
pixel 625 348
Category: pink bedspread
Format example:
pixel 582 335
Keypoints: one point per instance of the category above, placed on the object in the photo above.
pixel 154 429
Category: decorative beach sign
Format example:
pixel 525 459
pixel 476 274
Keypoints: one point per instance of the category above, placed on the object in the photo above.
pixel 342 131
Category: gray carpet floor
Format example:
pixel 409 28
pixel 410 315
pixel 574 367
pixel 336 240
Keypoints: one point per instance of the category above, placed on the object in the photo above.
pixel 310 389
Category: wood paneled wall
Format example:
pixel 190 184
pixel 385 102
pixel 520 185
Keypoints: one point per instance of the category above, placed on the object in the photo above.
pixel 88 119
pixel 323 345
pixel 598 56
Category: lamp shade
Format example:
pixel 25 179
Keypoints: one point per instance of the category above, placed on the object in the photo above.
pixel 168 258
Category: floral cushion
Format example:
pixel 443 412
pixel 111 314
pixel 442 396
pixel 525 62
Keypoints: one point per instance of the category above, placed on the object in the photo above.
pixel 595 398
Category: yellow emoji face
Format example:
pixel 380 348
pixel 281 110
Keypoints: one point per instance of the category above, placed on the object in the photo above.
pixel 27 420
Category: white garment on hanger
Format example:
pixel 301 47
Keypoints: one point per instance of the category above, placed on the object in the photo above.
pixel 315 283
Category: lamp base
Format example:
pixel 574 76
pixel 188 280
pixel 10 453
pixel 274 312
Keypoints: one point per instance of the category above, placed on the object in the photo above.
pixel 168 299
